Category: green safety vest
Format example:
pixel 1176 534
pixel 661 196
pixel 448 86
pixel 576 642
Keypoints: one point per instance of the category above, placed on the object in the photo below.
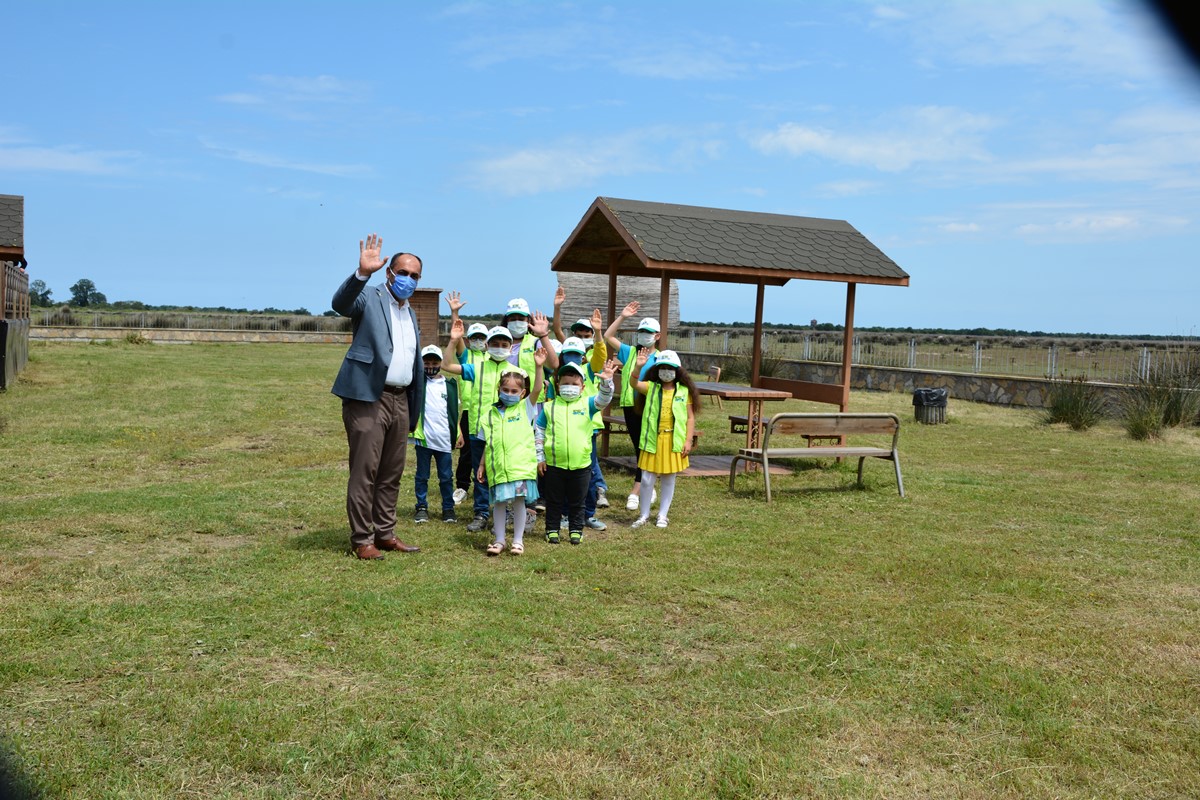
pixel 483 389
pixel 466 396
pixel 451 415
pixel 569 429
pixel 509 453
pixel 679 415
pixel 629 372
pixel 525 355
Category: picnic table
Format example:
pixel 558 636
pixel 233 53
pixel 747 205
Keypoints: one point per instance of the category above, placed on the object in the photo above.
pixel 753 396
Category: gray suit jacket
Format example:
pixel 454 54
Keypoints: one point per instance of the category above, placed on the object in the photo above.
pixel 364 369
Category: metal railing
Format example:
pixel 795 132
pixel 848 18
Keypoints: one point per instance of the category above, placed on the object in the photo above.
pixel 1104 361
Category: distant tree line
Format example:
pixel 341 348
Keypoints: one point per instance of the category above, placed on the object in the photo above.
pixel 85 295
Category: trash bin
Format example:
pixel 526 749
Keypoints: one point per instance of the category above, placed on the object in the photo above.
pixel 929 405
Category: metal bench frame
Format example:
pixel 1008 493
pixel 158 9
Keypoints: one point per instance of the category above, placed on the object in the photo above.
pixel 823 426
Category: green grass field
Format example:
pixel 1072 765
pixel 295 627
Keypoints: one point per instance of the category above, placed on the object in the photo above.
pixel 179 616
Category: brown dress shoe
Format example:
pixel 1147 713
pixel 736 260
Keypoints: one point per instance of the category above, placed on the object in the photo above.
pixel 395 544
pixel 367 552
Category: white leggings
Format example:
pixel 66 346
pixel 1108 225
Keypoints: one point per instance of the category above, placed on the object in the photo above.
pixel 500 517
pixel 665 495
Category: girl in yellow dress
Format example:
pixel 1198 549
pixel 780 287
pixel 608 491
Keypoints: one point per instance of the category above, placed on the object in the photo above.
pixel 669 423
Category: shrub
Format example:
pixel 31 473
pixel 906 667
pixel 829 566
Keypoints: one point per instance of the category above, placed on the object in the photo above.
pixel 1075 402
pixel 1168 396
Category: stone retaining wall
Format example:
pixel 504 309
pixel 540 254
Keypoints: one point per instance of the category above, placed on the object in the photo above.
pixel 994 389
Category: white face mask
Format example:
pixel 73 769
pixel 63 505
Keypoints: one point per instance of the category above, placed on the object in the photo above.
pixel 666 375
pixel 478 345
pixel 645 339
pixel 499 353
pixel 518 328
pixel 570 391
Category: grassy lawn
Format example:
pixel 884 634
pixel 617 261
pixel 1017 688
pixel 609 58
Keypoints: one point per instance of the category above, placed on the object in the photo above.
pixel 179 616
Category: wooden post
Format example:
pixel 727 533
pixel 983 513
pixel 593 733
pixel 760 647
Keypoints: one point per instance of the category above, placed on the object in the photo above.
pixel 613 258
pixel 664 312
pixel 847 346
pixel 756 359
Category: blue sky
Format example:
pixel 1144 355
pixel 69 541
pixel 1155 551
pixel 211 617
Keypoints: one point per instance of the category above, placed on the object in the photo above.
pixel 1031 165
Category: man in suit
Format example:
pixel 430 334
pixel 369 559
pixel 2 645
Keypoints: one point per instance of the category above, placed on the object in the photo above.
pixel 382 390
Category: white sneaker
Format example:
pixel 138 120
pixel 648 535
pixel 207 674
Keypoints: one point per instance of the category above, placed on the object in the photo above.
pixel 601 498
pixel 459 495
pixel 661 523
pixel 639 522
pixel 631 502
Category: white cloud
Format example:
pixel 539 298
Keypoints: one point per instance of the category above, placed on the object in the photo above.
pixel 849 188
pixel 961 227
pixel 19 154
pixel 280 162
pixel 1083 37
pixel 680 63
pixel 578 162
pixel 927 134
pixel 298 98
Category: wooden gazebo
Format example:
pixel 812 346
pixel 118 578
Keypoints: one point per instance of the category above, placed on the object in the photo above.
pixel 667 241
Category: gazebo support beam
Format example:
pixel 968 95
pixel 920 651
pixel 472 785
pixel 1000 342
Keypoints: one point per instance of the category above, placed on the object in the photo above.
pixel 664 312
pixel 756 359
pixel 847 346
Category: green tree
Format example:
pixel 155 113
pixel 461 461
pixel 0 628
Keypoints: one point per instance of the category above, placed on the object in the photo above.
pixel 39 294
pixel 84 293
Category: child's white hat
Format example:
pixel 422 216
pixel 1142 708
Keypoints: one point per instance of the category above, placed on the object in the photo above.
pixel 648 324
pixel 576 368
pixel 499 333
pixel 667 358
pixel 432 350
pixel 574 344
pixel 477 329
pixel 583 323
pixel 517 306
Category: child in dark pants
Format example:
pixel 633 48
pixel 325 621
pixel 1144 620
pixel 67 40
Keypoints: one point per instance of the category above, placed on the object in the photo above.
pixel 563 440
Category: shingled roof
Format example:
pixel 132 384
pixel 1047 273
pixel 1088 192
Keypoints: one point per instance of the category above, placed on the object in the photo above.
pixel 715 244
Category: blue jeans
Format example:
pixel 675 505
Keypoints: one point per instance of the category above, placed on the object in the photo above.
pixel 445 471
pixel 595 484
pixel 482 507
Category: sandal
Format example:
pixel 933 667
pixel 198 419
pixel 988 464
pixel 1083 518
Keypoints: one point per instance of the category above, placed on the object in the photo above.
pixel 494 548
pixel 516 549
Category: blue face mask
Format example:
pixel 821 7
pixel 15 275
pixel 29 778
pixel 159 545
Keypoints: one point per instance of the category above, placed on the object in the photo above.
pixel 510 398
pixel 572 358
pixel 403 286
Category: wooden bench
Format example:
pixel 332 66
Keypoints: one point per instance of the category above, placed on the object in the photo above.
pixel 823 426
pixel 740 423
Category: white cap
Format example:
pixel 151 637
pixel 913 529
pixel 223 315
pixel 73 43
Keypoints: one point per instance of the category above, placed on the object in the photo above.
pixel 517 306
pixel 576 368
pixel 477 329
pixel 649 324
pixel 499 333
pixel 583 323
pixel 574 344
pixel 556 345
pixel 432 350
pixel 667 358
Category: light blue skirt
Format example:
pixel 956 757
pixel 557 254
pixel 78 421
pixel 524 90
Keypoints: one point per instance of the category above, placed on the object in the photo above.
pixel 504 492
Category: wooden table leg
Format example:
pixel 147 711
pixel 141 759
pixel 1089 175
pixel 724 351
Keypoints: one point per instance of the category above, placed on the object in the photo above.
pixel 753 430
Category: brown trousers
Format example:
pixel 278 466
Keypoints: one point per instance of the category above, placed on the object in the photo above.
pixel 378 437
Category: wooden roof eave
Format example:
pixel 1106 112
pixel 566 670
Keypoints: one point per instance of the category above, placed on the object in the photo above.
pixel 719 273
pixel 598 206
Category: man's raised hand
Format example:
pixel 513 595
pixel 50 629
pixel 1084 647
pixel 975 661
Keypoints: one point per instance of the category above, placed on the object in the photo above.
pixel 368 254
